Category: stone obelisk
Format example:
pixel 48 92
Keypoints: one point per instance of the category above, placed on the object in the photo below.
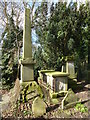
pixel 27 63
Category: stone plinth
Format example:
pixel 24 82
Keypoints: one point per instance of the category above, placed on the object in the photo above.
pixel 27 72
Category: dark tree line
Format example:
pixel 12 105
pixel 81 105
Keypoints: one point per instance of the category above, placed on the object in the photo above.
pixel 62 32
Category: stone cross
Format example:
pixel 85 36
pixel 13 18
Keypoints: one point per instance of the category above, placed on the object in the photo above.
pixel 27 63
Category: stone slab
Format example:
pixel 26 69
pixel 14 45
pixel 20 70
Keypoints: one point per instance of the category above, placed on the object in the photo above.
pixel 45 71
pixel 69 98
pixel 57 74
pixel 58 94
pixel 38 107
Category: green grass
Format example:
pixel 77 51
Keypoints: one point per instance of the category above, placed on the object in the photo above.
pixel 80 107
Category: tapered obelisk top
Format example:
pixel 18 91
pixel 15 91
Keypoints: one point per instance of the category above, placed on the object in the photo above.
pixel 27 44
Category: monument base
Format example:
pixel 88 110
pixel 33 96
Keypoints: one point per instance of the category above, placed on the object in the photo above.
pixel 27 72
pixel 30 90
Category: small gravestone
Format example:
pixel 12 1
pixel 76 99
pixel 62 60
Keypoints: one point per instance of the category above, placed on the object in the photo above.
pixel 70 99
pixel 70 68
pixel 38 107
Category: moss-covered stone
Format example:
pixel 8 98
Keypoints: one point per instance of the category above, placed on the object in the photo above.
pixel 57 74
pixel 54 101
pixel 42 72
pixel 69 58
pixel 62 93
pixel 53 95
pixel 58 94
pixel 69 98
pixel 30 90
pixel 38 107
pixel 45 71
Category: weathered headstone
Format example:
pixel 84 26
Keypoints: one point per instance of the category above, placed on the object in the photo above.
pixel 27 62
pixel 38 107
pixel 70 68
pixel 69 99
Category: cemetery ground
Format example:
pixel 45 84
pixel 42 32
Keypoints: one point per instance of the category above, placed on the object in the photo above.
pixel 24 110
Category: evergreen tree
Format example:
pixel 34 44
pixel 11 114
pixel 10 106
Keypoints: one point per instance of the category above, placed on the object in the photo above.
pixel 63 34
pixel 10 51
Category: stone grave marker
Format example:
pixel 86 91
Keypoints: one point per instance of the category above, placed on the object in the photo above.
pixel 70 68
pixel 38 107
pixel 69 100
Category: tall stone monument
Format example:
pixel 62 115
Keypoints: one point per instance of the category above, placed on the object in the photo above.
pixel 27 63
